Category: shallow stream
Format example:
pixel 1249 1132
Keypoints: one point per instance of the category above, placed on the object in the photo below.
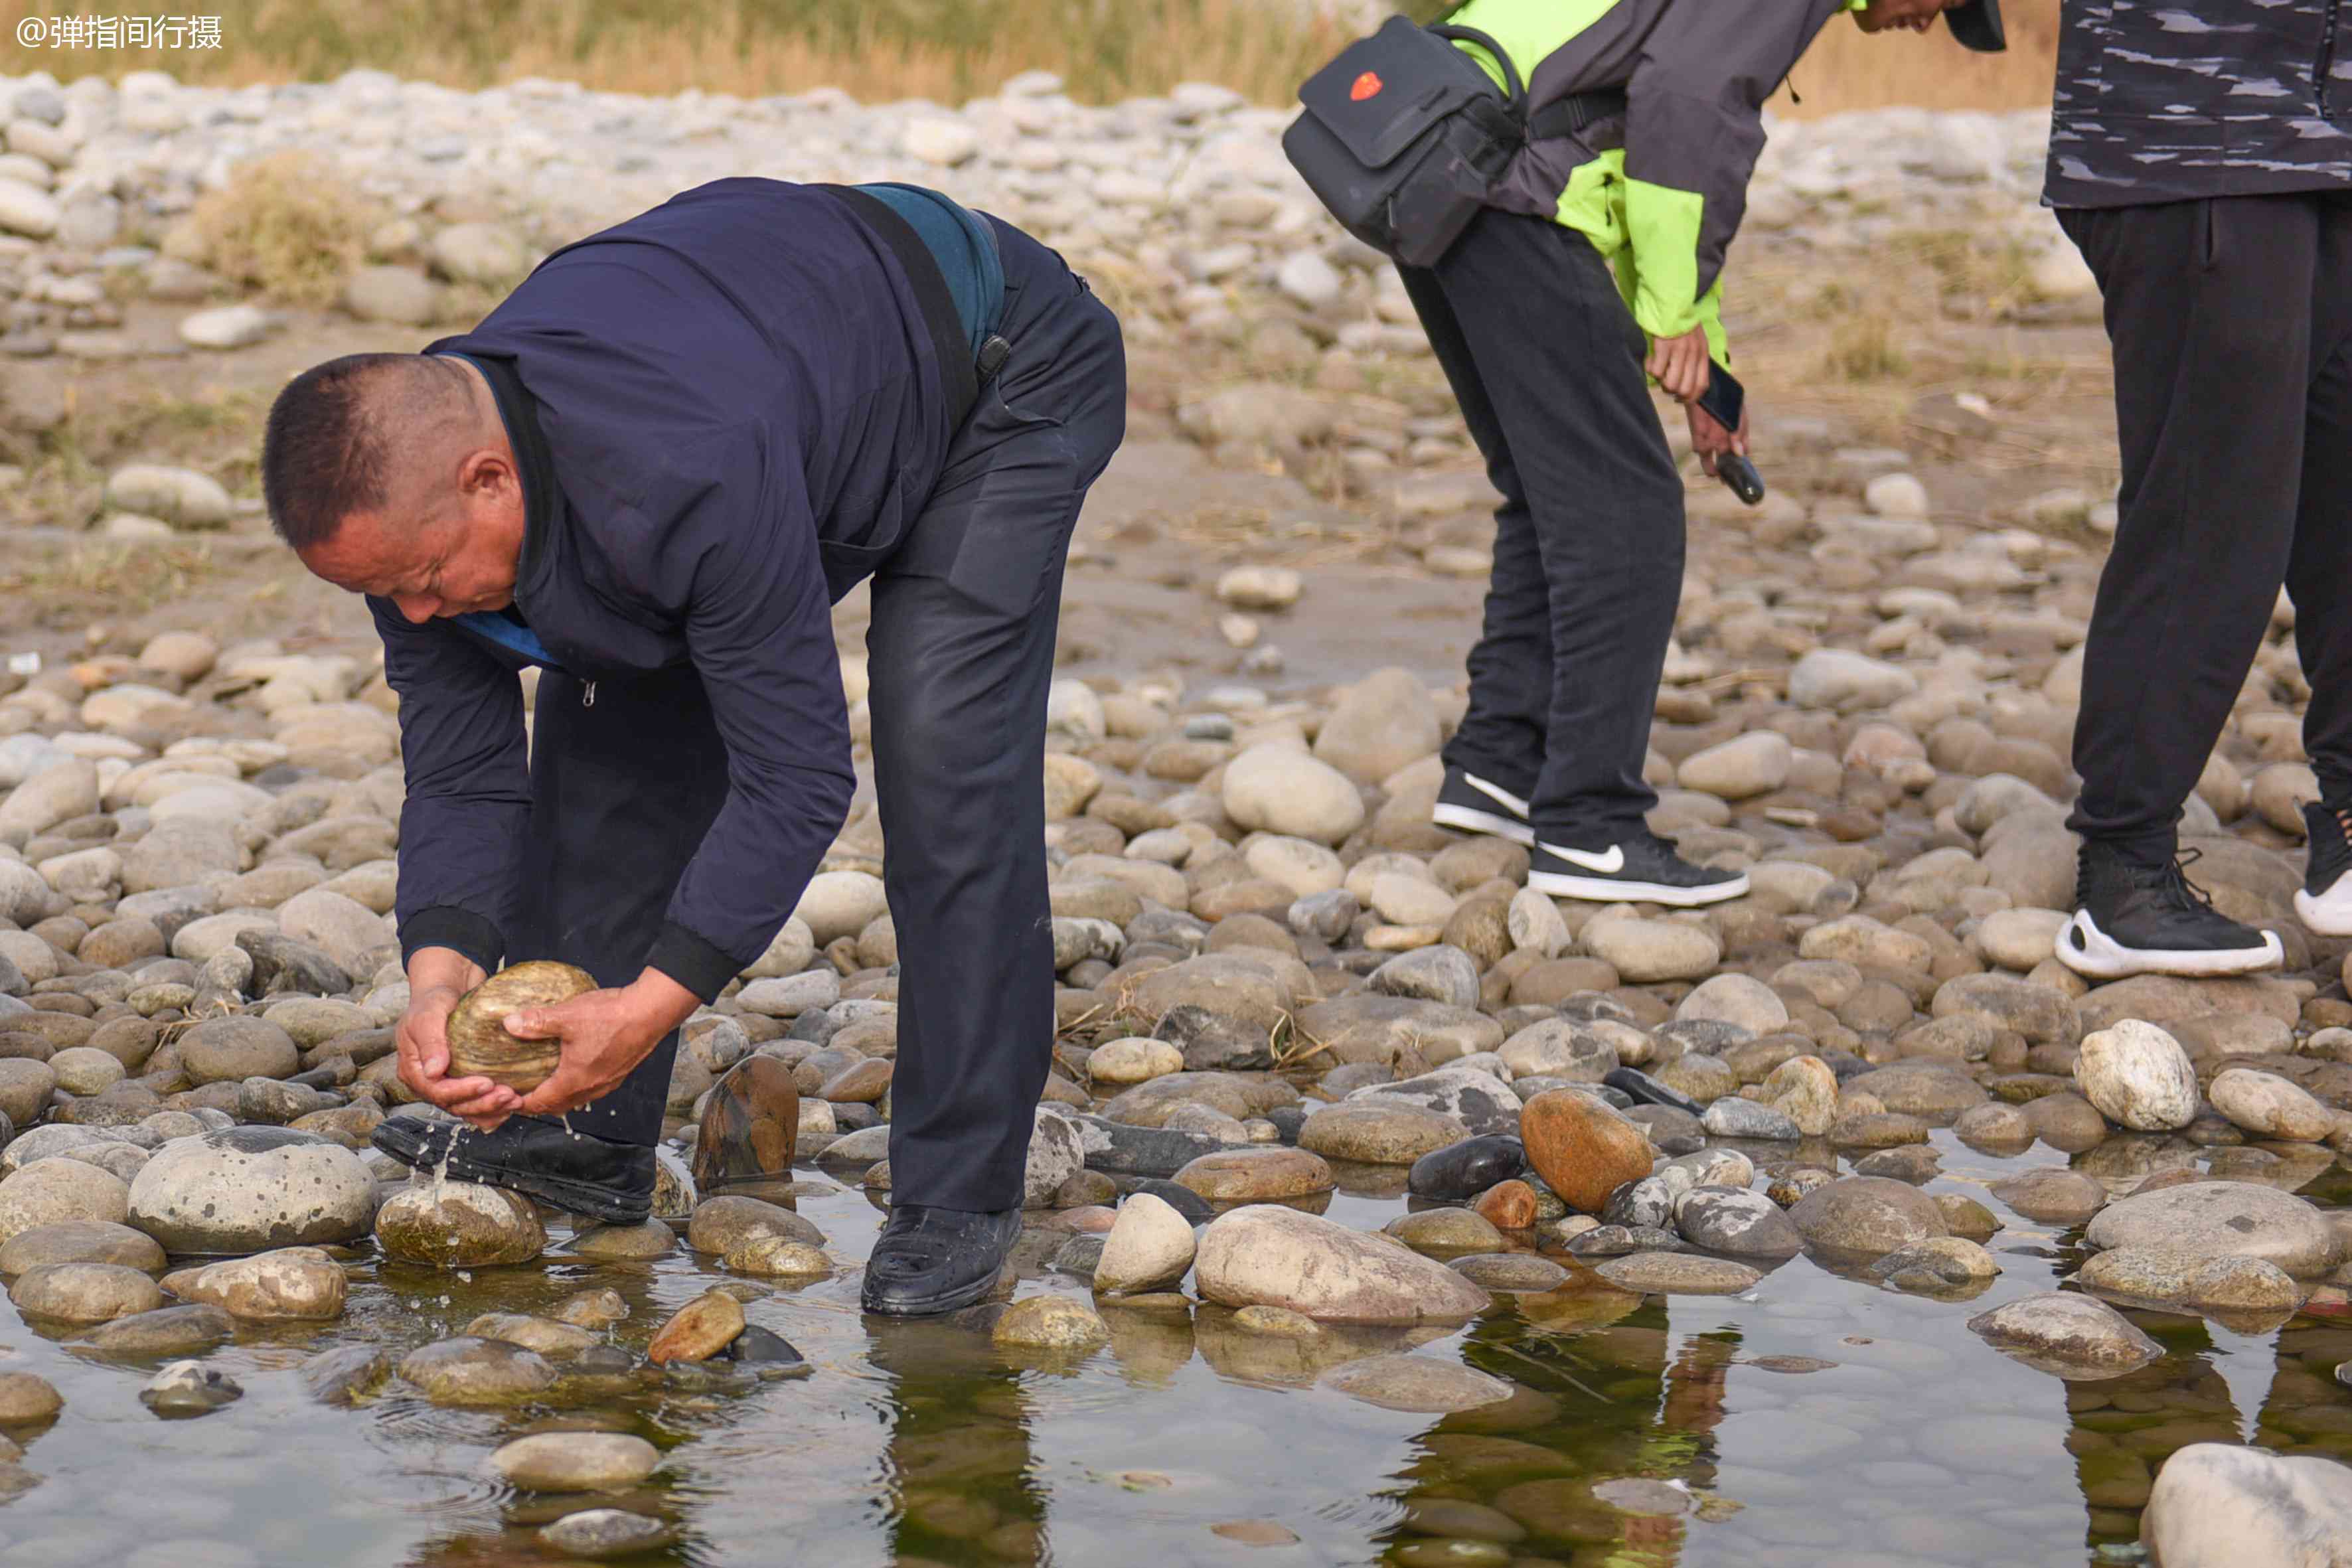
pixel 1817 1421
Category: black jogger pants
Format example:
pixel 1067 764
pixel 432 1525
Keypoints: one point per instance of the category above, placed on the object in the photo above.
pixel 2232 323
pixel 1546 361
pixel 961 653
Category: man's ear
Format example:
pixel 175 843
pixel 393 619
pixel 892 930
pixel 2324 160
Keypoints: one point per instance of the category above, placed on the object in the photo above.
pixel 486 474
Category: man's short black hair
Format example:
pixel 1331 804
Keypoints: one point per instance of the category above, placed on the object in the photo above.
pixel 327 449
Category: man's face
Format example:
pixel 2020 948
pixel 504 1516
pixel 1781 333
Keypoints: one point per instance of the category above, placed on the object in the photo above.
pixel 1908 16
pixel 460 561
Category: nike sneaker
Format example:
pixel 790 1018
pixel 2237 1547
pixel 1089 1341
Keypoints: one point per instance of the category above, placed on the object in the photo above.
pixel 2142 917
pixel 1640 869
pixel 1472 804
pixel 2324 905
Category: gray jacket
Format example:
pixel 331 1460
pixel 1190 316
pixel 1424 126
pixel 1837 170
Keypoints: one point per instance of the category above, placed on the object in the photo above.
pixel 2164 101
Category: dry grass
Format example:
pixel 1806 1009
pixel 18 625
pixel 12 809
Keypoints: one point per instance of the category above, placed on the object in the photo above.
pixel 286 225
pixel 945 50
pixel 1862 348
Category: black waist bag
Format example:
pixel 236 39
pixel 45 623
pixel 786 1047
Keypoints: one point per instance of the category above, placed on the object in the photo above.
pixel 1404 135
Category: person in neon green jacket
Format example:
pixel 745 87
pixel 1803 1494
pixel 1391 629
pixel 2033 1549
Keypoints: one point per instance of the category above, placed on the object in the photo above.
pixel 1660 189
pixel 1597 261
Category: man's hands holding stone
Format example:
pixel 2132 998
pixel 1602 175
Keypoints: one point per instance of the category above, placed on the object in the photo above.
pixel 602 1036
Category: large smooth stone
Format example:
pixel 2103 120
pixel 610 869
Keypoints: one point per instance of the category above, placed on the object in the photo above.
pixel 1866 1215
pixel 1256 1175
pixel 2224 1219
pixel 2053 1197
pixel 1582 1147
pixel 1271 1256
pixel 2221 1504
pixel 1055 1323
pixel 1149 1244
pixel 2138 1076
pixel 232 1050
pixel 556 1341
pixel 1678 1274
pixel 721 1225
pixel 294 1283
pixel 2265 1105
pixel 1419 1384
pixel 459 1225
pixel 1742 1224
pixel 575 1461
pixel 80 1241
pixel 84 1292
pixel 751 1125
pixel 480 1043
pixel 697 1330
pixel 1378 1134
pixel 467 1370
pixel 165 1331
pixel 2074 1336
pixel 249 1189
pixel 51 1190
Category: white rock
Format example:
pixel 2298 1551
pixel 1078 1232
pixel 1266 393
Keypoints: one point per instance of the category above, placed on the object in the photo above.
pixel 1260 587
pixel 1267 1255
pixel 1843 680
pixel 1281 789
pixel 2138 1076
pixel 181 497
pixel 1306 278
pixel 840 903
pixel 1754 764
pixel 1644 950
pixel 1150 1244
pixel 1896 495
pixel 937 139
pixel 1133 1059
pixel 28 210
pixel 2218 1505
pixel 1740 999
pixel 227 327
pixel 1535 922
pixel 2264 1104
pixel 249 1189
pixel 1056 1154
pixel 1299 865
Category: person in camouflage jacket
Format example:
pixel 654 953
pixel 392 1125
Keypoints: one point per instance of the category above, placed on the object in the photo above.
pixel 2201 158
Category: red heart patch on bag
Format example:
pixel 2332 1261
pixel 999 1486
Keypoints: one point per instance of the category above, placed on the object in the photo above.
pixel 1365 86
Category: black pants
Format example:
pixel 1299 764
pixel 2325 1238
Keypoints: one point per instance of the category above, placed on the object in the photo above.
pixel 2231 321
pixel 961 652
pixel 1546 363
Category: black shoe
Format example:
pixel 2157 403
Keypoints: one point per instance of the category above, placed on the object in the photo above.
pixel 1472 804
pixel 576 1172
pixel 1639 868
pixel 2324 905
pixel 2143 916
pixel 935 1260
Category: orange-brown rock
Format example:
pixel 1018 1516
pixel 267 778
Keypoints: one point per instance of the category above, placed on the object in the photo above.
pixel 1507 1206
pixel 699 1330
pixel 751 1125
pixel 1582 1148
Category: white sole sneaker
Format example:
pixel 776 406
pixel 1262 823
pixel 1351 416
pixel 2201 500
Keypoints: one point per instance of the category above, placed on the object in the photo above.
pixel 1616 890
pixel 1469 819
pixel 2330 914
pixel 2089 951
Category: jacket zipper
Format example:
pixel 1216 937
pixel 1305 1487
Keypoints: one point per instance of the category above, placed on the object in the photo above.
pixel 588 694
pixel 2327 56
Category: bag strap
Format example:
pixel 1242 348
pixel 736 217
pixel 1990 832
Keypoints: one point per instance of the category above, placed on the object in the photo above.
pixel 1567 116
pixel 1514 89
pixel 950 345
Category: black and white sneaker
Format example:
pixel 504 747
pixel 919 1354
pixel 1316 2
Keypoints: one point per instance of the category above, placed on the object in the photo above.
pixel 2324 905
pixel 1473 805
pixel 2138 918
pixel 1641 869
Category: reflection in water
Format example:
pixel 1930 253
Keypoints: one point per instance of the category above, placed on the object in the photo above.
pixel 957 1463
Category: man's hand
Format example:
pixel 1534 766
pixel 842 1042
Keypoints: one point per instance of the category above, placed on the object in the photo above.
pixel 438 977
pixel 1710 441
pixel 1680 364
pixel 603 1036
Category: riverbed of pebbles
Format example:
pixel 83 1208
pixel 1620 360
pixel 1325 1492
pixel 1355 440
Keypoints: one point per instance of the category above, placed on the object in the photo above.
pixel 1183 207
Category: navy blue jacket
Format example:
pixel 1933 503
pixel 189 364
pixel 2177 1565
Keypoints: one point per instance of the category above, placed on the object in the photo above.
pixel 741 412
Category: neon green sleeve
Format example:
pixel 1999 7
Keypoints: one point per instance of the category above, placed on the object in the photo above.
pixel 1658 272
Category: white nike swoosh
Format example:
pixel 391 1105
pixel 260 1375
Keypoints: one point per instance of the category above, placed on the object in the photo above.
pixel 1497 792
pixel 1608 865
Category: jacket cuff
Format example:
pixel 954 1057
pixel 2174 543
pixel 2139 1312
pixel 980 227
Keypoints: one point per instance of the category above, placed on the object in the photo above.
pixel 692 962
pixel 447 925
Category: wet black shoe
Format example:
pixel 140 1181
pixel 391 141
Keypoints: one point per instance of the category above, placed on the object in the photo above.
pixel 935 1260
pixel 2324 905
pixel 2143 917
pixel 1640 868
pixel 1469 804
pixel 576 1172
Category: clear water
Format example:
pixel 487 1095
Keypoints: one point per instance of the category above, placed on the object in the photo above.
pixel 919 1443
